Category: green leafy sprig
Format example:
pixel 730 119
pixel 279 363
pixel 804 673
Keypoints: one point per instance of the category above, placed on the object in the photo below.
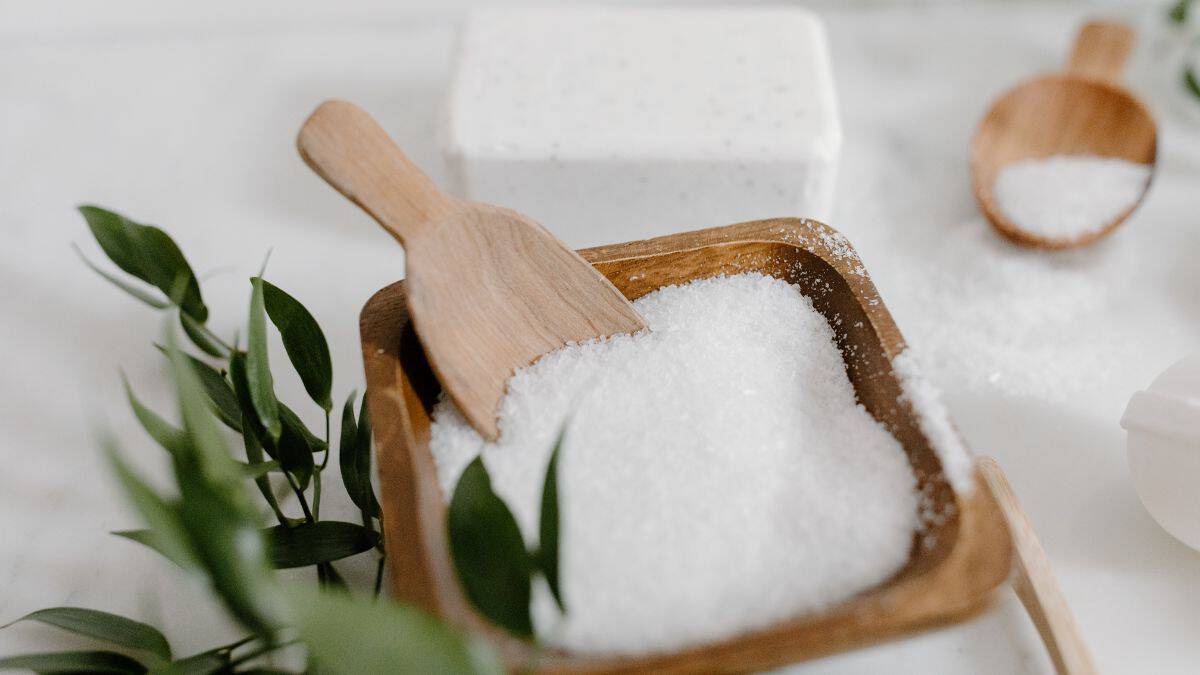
pixel 208 524
pixel 1179 14
pixel 240 386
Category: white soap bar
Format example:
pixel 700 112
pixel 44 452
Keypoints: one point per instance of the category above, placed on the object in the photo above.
pixel 613 124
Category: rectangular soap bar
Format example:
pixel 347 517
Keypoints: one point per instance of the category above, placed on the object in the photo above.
pixel 607 125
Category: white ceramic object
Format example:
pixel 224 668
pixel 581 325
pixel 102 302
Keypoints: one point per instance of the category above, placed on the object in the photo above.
pixel 1164 449
pixel 614 124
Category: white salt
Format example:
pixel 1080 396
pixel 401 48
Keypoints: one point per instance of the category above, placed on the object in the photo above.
pixel 991 317
pixel 934 421
pixel 1068 196
pixel 718 474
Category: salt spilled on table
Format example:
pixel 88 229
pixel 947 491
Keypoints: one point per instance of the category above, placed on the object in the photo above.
pixel 1068 196
pixel 718 474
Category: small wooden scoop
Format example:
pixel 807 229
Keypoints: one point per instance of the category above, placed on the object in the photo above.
pixel 1035 584
pixel 489 290
pixel 1082 111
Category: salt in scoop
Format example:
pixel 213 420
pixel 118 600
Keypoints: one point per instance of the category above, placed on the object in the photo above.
pixel 489 290
pixel 1083 110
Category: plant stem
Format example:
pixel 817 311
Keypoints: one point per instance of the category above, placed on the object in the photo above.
pixel 325 459
pixel 308 516
pixel 244 641
pixel 316 508
pixel 279 515
pixel 266 648
pixel 379 576
pixel 213 336
pixel 317 475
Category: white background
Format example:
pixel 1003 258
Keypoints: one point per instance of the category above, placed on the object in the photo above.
pixel 184 114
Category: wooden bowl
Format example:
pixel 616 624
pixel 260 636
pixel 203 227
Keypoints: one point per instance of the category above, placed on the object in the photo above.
pixel 953 567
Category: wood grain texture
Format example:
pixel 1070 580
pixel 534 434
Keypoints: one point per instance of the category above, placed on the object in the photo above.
pixel 953 566
pixel 488 290
pixel 1035 583
pixel 1101 50
pixel 1082 111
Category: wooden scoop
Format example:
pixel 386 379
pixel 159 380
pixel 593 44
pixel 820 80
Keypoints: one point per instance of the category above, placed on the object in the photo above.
pixel 1082 111
pixel 1035 584
pixel 489 290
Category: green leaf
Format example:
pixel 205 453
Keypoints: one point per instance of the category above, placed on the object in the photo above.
pixel 145 538
pixel 209 453
pixel 291 423
pixel 73 662
pixel 258 369
pixel 167 266
pixel 305 343
pixel 547 557
pixel 147 253
pixel 201 337
pixel 354 457
pixel 1179 12
pixel 204 663
pixel 110 628
pixel 220 393
pixel 347 455
pixel 252 429
pixel 362 448
pixel 254 455
pixel 1191 81
pixel 164 433
pixel 166 534
pixel 319 542
pixel 213 521
pixel 349 635
pixel 155 302
pixel 260 468
pixel 116 239
pixel 233 555
pixel 215 509
pixel 240 382
pixel 488 552
pixel 295 444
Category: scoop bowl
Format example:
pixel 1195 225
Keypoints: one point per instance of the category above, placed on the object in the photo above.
pixel 1082 111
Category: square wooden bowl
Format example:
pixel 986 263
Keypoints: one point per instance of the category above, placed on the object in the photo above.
pixel 955 562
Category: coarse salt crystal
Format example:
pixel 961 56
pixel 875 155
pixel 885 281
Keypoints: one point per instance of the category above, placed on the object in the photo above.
pixel 718 474
pixel 1069 196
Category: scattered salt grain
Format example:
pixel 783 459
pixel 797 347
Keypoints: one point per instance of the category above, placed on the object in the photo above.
pixel 718 474
pixel 1012 325
pixel 1068 196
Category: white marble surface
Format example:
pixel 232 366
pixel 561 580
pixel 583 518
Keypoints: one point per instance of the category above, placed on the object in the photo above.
pixel 185 115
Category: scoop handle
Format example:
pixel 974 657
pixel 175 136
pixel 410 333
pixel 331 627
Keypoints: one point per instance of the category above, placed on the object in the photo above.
pixel 348 148
pixel 1035 583
pixel 1101 50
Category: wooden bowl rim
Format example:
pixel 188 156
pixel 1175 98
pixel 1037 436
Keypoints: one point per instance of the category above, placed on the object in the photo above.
pixel 953 589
